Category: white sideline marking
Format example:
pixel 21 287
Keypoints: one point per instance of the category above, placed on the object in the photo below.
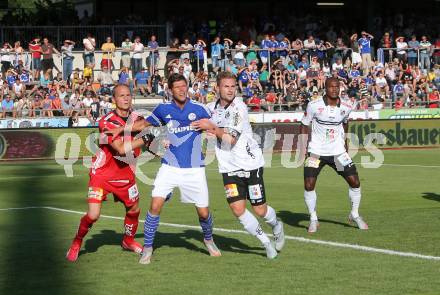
pixel 299 239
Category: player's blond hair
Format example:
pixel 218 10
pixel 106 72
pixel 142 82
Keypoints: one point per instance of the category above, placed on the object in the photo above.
pixel 224 75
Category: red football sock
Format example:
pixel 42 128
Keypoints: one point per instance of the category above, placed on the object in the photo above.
pixel 131 222
pixel 84 226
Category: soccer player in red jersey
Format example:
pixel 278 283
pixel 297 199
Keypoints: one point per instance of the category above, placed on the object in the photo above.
pixel 112 173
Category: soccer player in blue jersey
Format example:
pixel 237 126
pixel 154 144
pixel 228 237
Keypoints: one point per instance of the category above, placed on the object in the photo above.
pixel 182 163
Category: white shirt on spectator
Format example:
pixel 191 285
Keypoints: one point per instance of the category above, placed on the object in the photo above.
pixel 188 47
pixel 401 45
pixel 6 57
pixel 87 102
pixel 240 54
pixel 337 67
pixel 138 49
pixel 89 45
pixel 309 44
pixel 381 81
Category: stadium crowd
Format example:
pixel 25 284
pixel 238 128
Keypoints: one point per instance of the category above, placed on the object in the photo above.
pixel 274 71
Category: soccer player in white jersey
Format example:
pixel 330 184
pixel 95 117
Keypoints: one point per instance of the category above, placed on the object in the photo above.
pixel 329 117
pixel 241 162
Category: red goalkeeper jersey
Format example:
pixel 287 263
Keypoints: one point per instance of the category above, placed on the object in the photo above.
pixel 107 163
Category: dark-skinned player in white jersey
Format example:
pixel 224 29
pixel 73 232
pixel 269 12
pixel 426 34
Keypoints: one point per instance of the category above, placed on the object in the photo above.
pixel 328 117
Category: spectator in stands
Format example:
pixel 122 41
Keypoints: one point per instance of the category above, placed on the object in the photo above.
pixel 425 48
pixel 57 106
pixel 155 79
pixel 436 52
pixel 172 54
pixel 89 44
pixel 108 49
pixel 47 106
pixel 35 49
pixel 386 42
pixel 6 60
pixel 19 89
pixel 88 73
pixel 216 49
pixel 105 80
pixel 413 47
pixel 199 57
pixel 36 107
pixel 87 102
pixel 124 77
pixel 402 47
pixel 142 82
pixel 45 78
pixel 18 58
pixel 125 54
pixel 73 120
pixel 47 63
pixel 310 45
pixel 365 49
pixel 66 107
pixel 138 50
pixel 153 57
pixel 8 107
pixel 239 59
pixel 95 109
pixel 67 54
pixel 434 99
pixel 186 49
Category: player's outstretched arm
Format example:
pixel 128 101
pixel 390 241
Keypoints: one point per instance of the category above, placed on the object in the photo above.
pixel 135 127
pixel 220 133
pixel 125 147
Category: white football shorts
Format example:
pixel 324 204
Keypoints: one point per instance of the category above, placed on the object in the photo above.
pixel 190 181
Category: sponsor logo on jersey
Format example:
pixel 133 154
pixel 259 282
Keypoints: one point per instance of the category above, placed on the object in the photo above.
pixel 191 116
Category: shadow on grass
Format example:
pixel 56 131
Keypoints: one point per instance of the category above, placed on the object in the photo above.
pixel 30 250
pixel 431 196
pixel 183 239
pixel 298 219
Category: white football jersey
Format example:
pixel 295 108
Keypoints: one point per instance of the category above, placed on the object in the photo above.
pixel 327 136
pixel 246 154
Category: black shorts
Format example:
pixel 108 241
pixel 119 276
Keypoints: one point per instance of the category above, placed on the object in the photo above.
pixel 314 164
pixel 245 185
pixel 47 64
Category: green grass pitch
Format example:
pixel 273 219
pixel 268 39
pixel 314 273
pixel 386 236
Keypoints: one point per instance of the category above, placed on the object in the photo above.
pixel 400 203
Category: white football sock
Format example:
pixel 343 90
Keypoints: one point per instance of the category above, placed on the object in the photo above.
pixel 271 217
pixel 251 225
pixel 355 199
pixel 310 199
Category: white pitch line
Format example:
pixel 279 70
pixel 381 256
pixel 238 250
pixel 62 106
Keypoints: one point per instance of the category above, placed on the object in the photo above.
pixel 299 239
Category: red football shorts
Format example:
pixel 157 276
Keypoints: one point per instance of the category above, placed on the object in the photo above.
pixel 124 191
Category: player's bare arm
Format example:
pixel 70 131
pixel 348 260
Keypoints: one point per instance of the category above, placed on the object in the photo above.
pixel 224 134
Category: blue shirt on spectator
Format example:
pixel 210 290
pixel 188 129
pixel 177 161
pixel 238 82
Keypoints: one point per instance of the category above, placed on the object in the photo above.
pixel 254 75
pixel 265 44
pixel 413 44
pixel 142 77
pixel 24 77
pixel 7 105
pixel 398 88
pixel 185 149
pixel 216 48
pixel 244 76
pixel 198 51
pixel 10 80
pixel 364 42
pixel 283 45
pixel 305 65
pixel 123 78
pixel 153 45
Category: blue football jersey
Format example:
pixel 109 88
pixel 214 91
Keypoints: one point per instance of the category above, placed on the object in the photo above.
pixel 185 149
